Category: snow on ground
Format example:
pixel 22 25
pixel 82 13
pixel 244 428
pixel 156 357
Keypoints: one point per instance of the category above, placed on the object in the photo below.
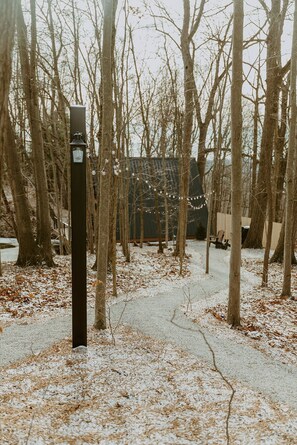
pixel 127 388
pixel 268 322
pixel 130 389
pixel 29 293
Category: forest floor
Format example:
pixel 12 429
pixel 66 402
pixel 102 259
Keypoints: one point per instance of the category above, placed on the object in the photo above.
pixel 128 388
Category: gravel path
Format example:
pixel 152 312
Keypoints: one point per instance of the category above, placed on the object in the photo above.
pixel 153 315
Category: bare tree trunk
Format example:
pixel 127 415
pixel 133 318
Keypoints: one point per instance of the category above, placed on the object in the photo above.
pixel 9 212
pixel 76 67
pixel 280 154
pixel 255 143
pixel 291 170
pixel 109 7
pixel 233 316
pixel 112 245
pixel 7 26
pixel 163 153
pixel 91 202
pixel 270 218
pixel 187 35
pixel 141 206
pixel 61 108
pixel 28 252
pixel 255 234
pixel 278 255
pixel 28 68
pixel 113 239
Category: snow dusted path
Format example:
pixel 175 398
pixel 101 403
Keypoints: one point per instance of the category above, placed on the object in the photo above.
pixel 21 340
pixel 153 315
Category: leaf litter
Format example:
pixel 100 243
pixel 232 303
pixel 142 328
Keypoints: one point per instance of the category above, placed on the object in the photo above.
pixel 139 391
pixel 128 388
pixel 27 293
pixel 268 322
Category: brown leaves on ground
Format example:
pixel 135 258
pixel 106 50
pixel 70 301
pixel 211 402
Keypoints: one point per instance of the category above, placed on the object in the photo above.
pixel 140 392
pixel 267 319
pixel 30 292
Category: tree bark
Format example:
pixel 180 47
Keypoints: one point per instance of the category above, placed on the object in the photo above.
pixel 281 155
pixel 187 35
pixel 28 252
pixel 278 255
pixel 28 69
pixel 255 234
pixel 291 170
pixel 7 26
pixel 233 316
pixel 109 7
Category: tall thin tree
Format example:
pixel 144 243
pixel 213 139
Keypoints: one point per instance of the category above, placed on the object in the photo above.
pixel 275 73
pixel 188 32
pixel 28 252
pixel 233 316
pixel 30 85
pixel 291 170
pixel 7 26
pixel 109 8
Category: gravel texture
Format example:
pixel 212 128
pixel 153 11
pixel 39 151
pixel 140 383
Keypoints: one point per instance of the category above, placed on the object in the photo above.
pixel 160 316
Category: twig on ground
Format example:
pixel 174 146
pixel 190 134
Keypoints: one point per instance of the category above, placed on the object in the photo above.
pixel 113 329
pixel 215 368
pixel 187 294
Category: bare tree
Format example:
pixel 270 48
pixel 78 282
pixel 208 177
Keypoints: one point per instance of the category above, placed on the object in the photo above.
pixel 109 7
pixel 281 153
pixel 291 170
pixel 233 316
pixel 123 112
pixel 29 77
pixel 275 73
pixel 205 122
pixel 7 23
pixel 7 26
pixel 28 253
pixel 189 29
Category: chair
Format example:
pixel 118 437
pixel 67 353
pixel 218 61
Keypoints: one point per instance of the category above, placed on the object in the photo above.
pixel 219 240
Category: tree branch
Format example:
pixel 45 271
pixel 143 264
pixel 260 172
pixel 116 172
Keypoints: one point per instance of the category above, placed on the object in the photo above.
pixel 197 21
pixel 264 6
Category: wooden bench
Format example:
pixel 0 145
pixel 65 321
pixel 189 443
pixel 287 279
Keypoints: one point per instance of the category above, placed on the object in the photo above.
pixel 219 241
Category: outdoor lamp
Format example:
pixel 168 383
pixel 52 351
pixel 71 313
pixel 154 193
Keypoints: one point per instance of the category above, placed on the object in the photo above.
pixel 77 147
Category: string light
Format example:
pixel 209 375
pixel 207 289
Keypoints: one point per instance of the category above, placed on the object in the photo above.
pixel 162 193
pixel 172 209
pixel 168 195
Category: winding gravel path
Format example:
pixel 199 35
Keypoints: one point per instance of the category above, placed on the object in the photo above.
pixel 153 315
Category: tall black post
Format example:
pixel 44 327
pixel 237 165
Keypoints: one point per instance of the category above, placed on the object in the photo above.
pixel 78 224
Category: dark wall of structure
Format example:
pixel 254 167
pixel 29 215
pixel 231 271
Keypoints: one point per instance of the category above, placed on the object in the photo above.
pixel 154 186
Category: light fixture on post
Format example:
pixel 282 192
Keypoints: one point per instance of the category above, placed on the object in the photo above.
pixel 78 146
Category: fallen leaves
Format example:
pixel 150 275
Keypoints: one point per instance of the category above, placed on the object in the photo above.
pixel 116 395
pixel 267 320
pixel 34 292
pixel 140 391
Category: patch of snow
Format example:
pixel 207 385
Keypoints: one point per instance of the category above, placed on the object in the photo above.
pixel 138 391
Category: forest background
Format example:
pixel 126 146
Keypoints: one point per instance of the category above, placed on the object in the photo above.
pixel 158 80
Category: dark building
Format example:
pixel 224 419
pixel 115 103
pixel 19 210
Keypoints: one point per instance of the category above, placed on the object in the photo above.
pixel 154 187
